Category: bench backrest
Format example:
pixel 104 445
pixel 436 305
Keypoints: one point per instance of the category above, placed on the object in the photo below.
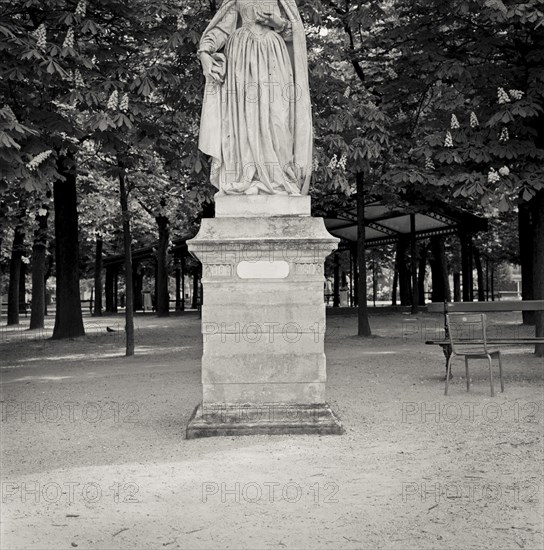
pixel 482 307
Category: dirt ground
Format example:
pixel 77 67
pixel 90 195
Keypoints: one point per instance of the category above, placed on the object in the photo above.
pixel 94 454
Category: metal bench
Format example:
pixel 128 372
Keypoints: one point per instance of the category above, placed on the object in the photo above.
pixel 484 307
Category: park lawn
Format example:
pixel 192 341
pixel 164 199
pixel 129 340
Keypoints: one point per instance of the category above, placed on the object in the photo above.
pixel 94 455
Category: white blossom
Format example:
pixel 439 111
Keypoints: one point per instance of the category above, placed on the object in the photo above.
pixel 41 36
pixel 181 22
pixel 38 159
pixel 333 163
pixel 454 123
pixel 493 176
pixel 515 94
pixel 69 40
pixel 429 164
pixel 25 260
pixel 504 137
pixel 113 101
pixel 504 171
pixel 342 162
pixel 347 92
pixel 123 104
pixel 449 140
pixel 42 212
pixel 81 8
pixel 503 97
pixel 474 122
pixel 78 79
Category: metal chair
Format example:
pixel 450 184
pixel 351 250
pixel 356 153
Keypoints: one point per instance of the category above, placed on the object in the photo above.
pixel 468 337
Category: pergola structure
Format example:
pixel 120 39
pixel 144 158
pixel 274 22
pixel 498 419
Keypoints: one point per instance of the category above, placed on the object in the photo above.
pixel 114 265
pixel 384 224
pixel 389 223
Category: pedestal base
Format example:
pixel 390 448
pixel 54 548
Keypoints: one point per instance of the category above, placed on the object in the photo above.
pixel 263 319
pixel 210 420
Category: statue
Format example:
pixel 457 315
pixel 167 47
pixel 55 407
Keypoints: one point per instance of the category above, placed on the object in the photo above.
pixel 256 120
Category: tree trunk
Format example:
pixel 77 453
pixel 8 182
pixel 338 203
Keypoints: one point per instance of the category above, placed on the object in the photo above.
pixel 421 272
pixel 351 279
pixel 538 265
pixel 395 284
pixel 98 277
pixel 48 270
pixel 68 316
pixel 110 288
pixel 439 271
pixel 457 287
pixel 162 296
pixel 413 265
pixel 155 292
pixel 355 279
pixel 492 281
pixel 526 234
pixel 182 260
pixel 127 245
pixel 196 287
pixel 479 274
pixel 374 284
pixel 466 269
pixel 405 280
pixel 178 287
pixel 336 281
pixel 39 249
pixel 22 289
pixel 116 290
pixel 15 275
pixel 363 323
pixel 137 287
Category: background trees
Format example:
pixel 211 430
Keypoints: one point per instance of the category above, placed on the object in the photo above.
pixel 88 74
pixel 457 88
pixel 442 99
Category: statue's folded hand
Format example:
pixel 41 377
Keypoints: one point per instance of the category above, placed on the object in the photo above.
pixel 213 66
pixel 270 19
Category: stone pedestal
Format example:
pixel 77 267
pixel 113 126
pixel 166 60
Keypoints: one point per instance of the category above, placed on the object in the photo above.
pixel 263 318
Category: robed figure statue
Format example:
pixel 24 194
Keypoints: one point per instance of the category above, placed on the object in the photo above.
pixel 256 119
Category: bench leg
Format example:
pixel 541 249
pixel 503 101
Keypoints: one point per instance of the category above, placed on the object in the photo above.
pixel 500 372
pixel 468 375
pixel 491 375
pixel 448 374
pixel 446 350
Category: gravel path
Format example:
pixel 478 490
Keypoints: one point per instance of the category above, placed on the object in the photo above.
pixel 94 455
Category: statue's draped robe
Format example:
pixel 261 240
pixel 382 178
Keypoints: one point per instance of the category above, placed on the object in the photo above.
pixel 257 125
